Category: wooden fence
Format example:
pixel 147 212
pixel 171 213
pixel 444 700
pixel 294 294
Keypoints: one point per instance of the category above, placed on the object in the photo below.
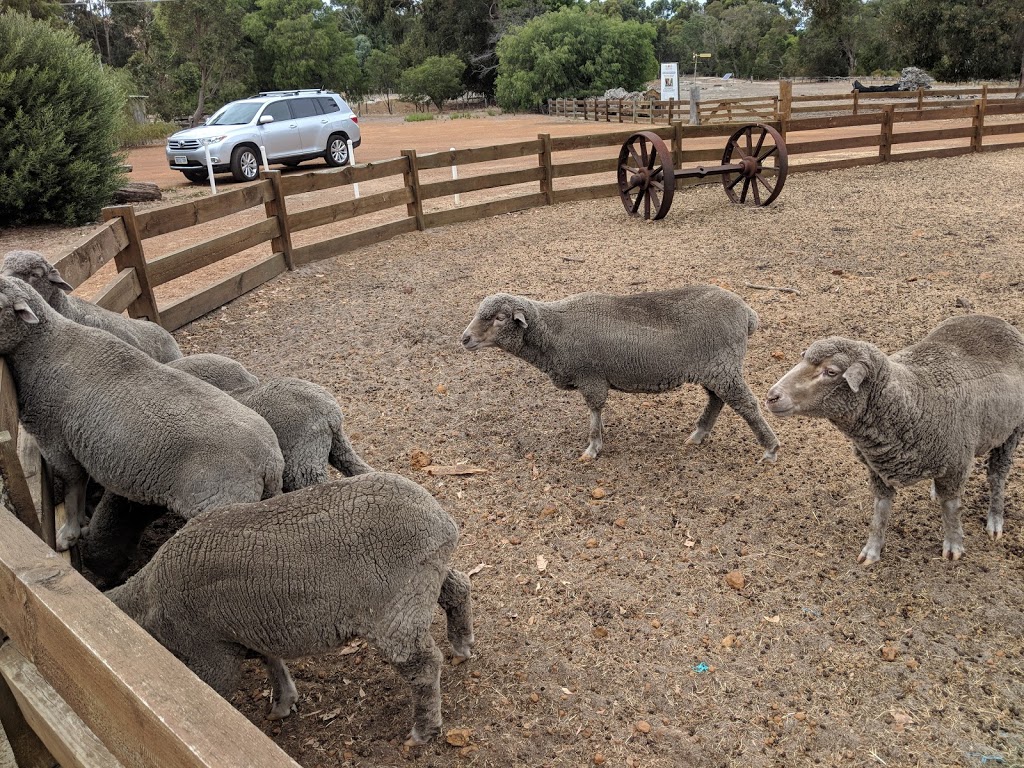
pixel 767 108
pixel 90 687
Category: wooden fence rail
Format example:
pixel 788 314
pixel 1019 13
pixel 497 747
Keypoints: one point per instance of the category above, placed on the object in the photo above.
pixel 768 108
pixel 143 705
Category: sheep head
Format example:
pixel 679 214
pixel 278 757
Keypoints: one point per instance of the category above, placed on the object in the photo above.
pixel 500 321
pixel 18 311
pixel 827 382
pixel 34 269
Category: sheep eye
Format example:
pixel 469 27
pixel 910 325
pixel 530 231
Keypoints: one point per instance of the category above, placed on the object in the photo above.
pixel 829 372
pixel 501 317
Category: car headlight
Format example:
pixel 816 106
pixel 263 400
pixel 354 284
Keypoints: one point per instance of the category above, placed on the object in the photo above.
pixel 211 140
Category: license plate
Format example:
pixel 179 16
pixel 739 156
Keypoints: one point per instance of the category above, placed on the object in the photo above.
pixel 180 160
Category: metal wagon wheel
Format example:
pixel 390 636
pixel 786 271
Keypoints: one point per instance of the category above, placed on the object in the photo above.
pixel 761 154
pixel 646 176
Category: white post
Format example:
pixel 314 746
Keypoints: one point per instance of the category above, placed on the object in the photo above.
pixel 455 177
pixel 352 161
pixel 263 152
pixel 209 169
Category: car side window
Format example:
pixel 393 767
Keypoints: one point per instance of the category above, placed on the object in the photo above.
pixel 304 108
pixel 279 110
pixel 328 105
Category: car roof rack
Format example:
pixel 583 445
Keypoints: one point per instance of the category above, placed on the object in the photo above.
pixel 294 92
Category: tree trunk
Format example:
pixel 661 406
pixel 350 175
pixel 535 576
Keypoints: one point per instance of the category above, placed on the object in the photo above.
pixel 197 116
pixel 137 192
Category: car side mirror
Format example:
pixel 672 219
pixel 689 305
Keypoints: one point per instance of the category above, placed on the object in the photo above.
pixel 264 119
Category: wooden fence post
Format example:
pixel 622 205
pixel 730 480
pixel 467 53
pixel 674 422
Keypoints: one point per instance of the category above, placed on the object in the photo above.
pixel 278 209
pixel 978 123
pixel 547 182
pixel 920 99
pixel 22 743
pixel 784 106
pixel 984 97
pixel 694 105
pixel 856 100
pixel 677 144
pixel 620 110
pixel 669 118
pixel 412 181
pixel 11 470
pixel 133 256
pixel 885 146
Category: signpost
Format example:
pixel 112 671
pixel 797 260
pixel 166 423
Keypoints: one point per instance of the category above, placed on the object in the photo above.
pixel 695 57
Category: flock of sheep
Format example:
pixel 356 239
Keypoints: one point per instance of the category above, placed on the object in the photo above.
pixel 275 560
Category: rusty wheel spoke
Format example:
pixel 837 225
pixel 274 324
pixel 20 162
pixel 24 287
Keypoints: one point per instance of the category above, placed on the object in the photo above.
pixel 756 191
pixel 764 181
pixel 732 184
pixel 636 202
pixel 746 186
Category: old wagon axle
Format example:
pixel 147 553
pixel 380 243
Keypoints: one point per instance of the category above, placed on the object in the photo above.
pixel 753 170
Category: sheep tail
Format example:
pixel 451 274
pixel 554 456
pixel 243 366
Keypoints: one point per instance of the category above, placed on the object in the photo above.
pixel 752 321
pixel 343 456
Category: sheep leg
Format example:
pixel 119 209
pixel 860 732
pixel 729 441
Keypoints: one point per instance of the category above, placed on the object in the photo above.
pixel 284 694
pixel 947 493
pixel 74 504
pixel 884 495
pixel 114 534
pixel 422 670
pixel 455 599
pixel 999 462
pixel 739 397
pixel 595 393
pixel 343 456
pixel 707 419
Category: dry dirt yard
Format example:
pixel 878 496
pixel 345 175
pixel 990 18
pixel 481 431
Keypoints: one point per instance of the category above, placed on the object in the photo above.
pixel 607 630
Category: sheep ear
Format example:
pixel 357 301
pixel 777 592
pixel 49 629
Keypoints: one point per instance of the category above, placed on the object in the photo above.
pixel 55 278
pixel 25 313
pixel 855 375
pixel 520 318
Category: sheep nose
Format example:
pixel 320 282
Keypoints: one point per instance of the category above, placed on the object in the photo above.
pixel 466 339
pixel 773 396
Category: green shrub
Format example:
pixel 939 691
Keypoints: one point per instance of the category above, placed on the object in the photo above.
pixel 60 114
pixel 418 117
pixel 141 134
pixel 461 116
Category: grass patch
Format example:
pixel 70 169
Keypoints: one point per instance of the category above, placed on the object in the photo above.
pixel 418 117
pixel 461 116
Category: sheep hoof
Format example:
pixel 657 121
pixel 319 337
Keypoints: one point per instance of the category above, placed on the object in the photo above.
pixel 952 553
pixel 867 559
pixel 771 456
pixel 456 660
pixel 587 456
pixel 415 739
pixel 696 437
pixel 280 711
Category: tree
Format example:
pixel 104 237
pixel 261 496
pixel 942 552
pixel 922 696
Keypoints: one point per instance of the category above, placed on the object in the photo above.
pixel 203 35
pixel 962 39
pixel 382 73
pixel 438 79
pixel 303 44
pixel 60 114
pixel 573 53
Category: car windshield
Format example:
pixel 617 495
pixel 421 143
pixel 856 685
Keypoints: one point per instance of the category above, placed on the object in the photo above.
pixel 238 113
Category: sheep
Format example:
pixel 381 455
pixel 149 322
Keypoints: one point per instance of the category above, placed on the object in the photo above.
pixel 266 578
pixel 649 342
pixel 305 417
pixel 101 408
pixel 923 412
pixel 35 270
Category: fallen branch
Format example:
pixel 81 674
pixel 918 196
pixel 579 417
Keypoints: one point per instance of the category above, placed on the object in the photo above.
pixel 570 258
pixel 782 288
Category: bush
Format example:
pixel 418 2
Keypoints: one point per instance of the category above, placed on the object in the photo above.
pixel 438 79
pixel 418 117
pixel 142 134
pixel 60 114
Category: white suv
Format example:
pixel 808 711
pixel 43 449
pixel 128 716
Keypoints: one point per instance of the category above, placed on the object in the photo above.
pixel 290 126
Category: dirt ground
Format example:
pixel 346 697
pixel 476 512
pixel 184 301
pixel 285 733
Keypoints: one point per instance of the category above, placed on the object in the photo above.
pixel 607 631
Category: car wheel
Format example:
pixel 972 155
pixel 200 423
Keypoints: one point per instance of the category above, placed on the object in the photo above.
pixel 245 166
pixel 197 177
pixel 337 150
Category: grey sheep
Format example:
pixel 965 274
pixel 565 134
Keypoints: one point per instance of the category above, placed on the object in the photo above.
pixel 301 574
pixel 923 412
pixel 650 342
pixel 35 270
pixel 309 425
pixel 101 408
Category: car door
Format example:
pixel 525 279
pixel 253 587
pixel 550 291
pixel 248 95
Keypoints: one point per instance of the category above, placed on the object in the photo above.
pixel 281 137
pixel 308 117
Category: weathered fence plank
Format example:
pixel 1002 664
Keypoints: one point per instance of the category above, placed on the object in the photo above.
pixel 187 260
pixel 88 256
pixel 120 292
pixel 145 706
pixel 160 221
